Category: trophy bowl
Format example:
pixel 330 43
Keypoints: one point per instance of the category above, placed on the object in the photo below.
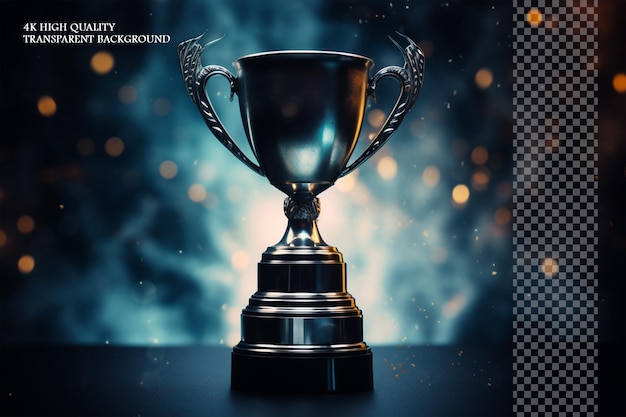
pixel 306 126
pixel 302 112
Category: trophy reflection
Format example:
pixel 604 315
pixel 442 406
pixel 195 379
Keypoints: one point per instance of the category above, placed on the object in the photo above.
pixel 302 113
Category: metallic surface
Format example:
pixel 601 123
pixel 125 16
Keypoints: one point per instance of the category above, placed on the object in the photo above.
pixel 302 113
pixel 302 110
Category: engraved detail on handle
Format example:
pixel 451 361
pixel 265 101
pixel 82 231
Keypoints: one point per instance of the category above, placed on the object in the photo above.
pixel 196 77
pixel 410 77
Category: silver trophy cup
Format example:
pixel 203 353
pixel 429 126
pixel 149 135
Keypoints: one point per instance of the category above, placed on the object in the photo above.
pixel 302 113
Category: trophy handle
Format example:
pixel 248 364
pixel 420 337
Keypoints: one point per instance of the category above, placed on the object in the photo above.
pixel 196 77
pixel 410 77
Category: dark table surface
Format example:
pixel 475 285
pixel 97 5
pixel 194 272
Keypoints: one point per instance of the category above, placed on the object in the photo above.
pixel 195 381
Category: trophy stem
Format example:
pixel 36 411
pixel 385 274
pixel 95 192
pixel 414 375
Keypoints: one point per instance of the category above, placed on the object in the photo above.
pixel 301 331
pixel 302 212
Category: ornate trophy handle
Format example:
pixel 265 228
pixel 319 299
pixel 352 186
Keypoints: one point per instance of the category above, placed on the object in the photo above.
pixel 410 77
pixel 196 77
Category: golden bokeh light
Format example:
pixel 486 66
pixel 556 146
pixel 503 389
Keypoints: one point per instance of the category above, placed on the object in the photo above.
pixel 550 267
pixel 3 238
pixel 47 106
pixel 25 224
pixel 483 78
pixel 480 155
pixel 102 62
pixel 26 264
pixel 85 147
pixel 114 146
pixel 619 82
pixel 376 117
pixel 168 169
pixel 197 193
pixel 431 176
pixel 387 168
pixel 460 194
pixel 534 17
pixel 127 94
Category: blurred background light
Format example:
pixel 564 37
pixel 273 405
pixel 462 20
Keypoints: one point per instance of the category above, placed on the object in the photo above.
pixel 534 17
pixel 26 264
pixel 483 78
pixel 47 106
pixel 460 194
pixel 114 146
pixel 619 82
pixel 127 94
pixel 25 224
pixel 549 267
pixel 387 168
pixel 102 62
pixel 168 169
pixel 197 193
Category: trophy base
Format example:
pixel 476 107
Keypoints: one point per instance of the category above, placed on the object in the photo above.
pixel 283 373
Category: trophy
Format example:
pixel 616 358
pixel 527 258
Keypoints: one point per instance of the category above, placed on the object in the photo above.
pixel 302 113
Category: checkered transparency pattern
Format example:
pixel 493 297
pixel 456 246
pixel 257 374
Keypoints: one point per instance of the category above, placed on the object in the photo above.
pixel 555 207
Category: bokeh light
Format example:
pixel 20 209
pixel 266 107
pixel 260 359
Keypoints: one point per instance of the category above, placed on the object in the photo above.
pixel 534 17
pixel 168 169
pixel 387 168
pixel 376 118
pixel 431 176
pixel 483 78
pixel 3 238
pixel 480 155
pixel 619 82
pixel 114 146
pixel 47 106
pixel 127 94
pixel 25 224
pixel 460 194
pixel 197 193
pixel 102 62
pixel 502 216
pixel 26 264
pixel 480 178
pixel 549 267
